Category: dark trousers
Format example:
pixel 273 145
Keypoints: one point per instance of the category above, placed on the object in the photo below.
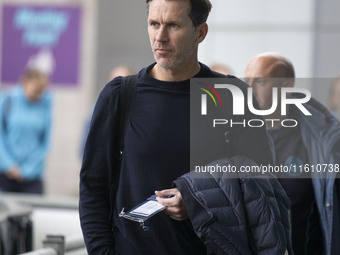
pixel 8 185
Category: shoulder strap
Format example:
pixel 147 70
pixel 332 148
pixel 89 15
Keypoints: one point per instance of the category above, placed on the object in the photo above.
pixel 127 96
pixel 126 99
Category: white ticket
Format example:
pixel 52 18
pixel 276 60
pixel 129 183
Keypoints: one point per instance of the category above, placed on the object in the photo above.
pixel 148 208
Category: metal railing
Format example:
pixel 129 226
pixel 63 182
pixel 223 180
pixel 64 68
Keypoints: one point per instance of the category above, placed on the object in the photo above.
pixel 59 245
pixel 16 225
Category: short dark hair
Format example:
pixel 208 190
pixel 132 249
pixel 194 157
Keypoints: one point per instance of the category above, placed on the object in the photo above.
pixel 199 10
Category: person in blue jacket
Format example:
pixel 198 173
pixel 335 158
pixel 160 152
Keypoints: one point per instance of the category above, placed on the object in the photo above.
pixel 312 145
pixel 25 127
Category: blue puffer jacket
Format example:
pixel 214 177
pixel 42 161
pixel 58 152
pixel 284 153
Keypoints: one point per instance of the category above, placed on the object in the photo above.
pixel 237 213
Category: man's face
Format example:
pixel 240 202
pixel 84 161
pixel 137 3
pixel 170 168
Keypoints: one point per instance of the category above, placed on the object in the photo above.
pixel 172 34
pixel 258 75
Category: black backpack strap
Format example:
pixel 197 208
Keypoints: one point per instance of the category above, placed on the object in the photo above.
pixel 127 96
pixel 126 99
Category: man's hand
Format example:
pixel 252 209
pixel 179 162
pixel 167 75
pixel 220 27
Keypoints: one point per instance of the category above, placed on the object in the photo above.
pixel 14 174
pixel 175 205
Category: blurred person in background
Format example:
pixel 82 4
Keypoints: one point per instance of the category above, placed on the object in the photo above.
pixel 335 98
pixel 25 127
pixel 315 140
pixel 121 70
pixel 221 68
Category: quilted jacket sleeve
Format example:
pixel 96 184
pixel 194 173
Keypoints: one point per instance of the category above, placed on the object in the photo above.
pixel 237 213
pixel 267 216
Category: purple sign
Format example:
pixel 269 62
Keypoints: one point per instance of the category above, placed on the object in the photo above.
pixel 44 37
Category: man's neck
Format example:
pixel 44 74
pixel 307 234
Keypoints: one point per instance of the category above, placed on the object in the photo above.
pixel 273 121
pixel 178 74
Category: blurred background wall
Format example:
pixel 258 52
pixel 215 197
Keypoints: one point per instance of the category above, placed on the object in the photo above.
pixel 72 102
pixel 115 32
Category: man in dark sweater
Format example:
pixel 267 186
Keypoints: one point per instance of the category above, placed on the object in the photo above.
pixel 157 141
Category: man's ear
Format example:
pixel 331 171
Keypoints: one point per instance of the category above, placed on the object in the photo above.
pixel 288 84
pixel 202 32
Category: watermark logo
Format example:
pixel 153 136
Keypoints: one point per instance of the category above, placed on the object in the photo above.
pixel 238 99
pixel 208 90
